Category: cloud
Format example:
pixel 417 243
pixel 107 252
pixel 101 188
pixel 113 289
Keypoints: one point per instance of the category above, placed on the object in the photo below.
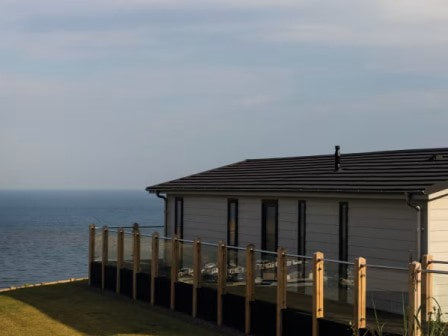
pixel 414 11
pixel 93 29
pixel 349 35
pixel 391 24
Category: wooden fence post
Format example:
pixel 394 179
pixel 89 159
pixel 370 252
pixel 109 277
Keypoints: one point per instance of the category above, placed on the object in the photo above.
pixel 104 258
pixel 91 250
pixel 222 274
pixel 120 255
pixel 196 274
pixel 427 279
pixel 414 318
pixel 250 285
pixel 318 290
pixel 360 294
pixel 281 289
pixel 154 265
pixel 174 269
pixel 136 258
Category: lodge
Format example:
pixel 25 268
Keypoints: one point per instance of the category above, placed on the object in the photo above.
pixel 389 207
pixel 244 244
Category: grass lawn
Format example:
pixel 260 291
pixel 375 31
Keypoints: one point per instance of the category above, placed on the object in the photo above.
pixel 76 309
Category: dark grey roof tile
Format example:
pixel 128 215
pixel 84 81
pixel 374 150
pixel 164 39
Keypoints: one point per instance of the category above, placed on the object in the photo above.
pixel 416 170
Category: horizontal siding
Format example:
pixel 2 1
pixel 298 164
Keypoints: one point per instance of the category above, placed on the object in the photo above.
pixel 382 231
pixel 440 287
pixel 438 247
pixel 322 230
pixel 205 218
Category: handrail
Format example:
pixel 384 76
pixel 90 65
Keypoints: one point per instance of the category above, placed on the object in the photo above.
pixel 209 244
pixel 298 256
pixel 339 261
pixel 438 262
pixel 185 240
pixel 140 227
pixel 434 271
pixel 232 247
pixel 265 252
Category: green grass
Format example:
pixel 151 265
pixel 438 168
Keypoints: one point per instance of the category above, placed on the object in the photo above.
pixel 76 309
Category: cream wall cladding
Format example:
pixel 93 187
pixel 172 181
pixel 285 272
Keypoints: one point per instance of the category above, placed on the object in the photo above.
pixel 382 231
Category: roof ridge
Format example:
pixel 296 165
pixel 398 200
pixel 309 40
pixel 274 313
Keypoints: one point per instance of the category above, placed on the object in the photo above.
pixel 412 150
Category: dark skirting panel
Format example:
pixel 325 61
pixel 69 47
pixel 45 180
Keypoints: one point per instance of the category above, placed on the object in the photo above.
pixel 126 282
pixel 110 275
pixel 95 274
pixel 263 318
pixel 162 291
pixel 143 286
pixel 294 320
pixel 234 312
pixel 365 332
pixel 207 304
pixel 327 327
pixel 184 297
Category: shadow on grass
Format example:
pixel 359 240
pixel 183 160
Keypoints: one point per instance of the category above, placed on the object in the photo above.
pixel 88 311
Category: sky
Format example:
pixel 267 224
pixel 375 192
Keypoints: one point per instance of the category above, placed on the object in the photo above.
pixel 122 94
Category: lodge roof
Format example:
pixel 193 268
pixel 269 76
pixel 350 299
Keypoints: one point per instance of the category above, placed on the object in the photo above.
pixel 413 170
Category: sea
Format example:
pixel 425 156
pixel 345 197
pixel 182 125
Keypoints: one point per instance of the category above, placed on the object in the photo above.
pixel 44 234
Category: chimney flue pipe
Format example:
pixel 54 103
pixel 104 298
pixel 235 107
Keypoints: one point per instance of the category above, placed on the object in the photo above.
pixel 337 158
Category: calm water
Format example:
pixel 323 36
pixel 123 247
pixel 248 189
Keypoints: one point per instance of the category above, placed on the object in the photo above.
pixel 44 234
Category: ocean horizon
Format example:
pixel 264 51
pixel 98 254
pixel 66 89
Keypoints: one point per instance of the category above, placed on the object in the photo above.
pixel 44 233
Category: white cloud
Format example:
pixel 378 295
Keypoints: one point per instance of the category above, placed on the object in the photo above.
pixel 414 11
pixel 384 23
pixel 349 35
pixel 393 24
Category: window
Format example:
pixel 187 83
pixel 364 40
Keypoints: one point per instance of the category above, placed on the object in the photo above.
pixel 269 233
pixel 232 222
pixel 301 228
pixel 179 217
pixel 343 231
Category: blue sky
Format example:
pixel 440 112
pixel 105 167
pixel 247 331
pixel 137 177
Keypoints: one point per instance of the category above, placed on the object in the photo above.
pixel 127 93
